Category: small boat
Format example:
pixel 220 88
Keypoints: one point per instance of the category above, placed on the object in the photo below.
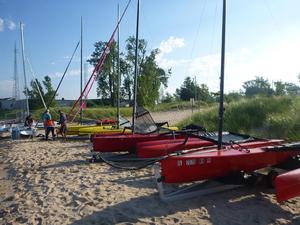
pixel 28 131
pixel 237 158
pixel 4 128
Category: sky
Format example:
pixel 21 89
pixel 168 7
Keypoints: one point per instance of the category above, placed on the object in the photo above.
pixel 262 39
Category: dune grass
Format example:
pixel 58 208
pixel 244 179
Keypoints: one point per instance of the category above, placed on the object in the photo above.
pixel 270 117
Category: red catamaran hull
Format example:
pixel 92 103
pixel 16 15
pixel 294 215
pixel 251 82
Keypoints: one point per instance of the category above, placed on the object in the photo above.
pixel 154 149
pixel 127 142
pixel 287 185
pixel 212 163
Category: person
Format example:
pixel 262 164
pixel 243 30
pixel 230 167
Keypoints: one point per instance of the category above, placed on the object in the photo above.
pixel 63 123
pixel 48 124
pixel 28 121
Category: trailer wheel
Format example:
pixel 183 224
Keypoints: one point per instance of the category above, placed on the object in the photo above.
pixel 271 178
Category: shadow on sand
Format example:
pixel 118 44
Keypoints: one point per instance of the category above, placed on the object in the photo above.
pixel 242 206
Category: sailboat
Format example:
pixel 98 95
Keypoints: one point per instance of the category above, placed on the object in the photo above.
pixel 20 128
pixel 240 159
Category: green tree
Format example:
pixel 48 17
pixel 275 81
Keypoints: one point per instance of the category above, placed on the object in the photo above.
pixel 258 86
pixel 190 89
pixel 280 88
pixel 47 91
pixel 107 78
pixel 150 80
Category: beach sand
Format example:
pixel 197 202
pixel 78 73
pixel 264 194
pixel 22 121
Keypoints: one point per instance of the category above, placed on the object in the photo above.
pixel 52 183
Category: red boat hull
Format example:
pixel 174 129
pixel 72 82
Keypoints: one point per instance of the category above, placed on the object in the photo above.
pixel 212 163
pixel 287 185
pixel 126 142
pixel 154 149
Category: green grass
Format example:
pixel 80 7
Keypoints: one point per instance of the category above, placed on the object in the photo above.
pixel 276 117
pixel 178 105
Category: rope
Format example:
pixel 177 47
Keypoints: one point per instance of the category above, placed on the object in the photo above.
pixel 35 81
pixel 148 162
pixel 98 66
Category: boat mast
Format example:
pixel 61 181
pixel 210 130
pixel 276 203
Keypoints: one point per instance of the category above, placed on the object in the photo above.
pixel 119 75
pixel 16 91
pixel 135 67
pixel 221 104
pixel 24 70
pixel 81 46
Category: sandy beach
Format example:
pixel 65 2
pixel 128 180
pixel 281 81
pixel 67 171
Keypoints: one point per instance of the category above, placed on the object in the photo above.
pixel 52 183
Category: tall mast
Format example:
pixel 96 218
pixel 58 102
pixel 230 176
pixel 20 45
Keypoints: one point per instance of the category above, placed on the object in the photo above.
pixel 221 105
pixel 24 70
pixel 118 69
pixel 135 67
pixel 81 46
pixel 16 90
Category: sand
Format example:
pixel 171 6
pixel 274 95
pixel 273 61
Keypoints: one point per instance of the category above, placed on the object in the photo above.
pixel 52 183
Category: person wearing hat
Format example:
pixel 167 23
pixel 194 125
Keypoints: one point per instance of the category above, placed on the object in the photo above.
pixel 48 124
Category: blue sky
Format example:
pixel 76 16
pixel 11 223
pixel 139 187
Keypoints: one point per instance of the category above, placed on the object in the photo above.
pixel 263 38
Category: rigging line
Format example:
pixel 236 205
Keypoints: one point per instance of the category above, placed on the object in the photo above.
pixel 35 81
pixel 100 62
pixel 276 24
pixel 212 39
pixel 214 27
pixel 196 36
pixel 49 103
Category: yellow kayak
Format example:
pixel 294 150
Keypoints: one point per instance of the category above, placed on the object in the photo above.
pixel 74 129
pixel 100 130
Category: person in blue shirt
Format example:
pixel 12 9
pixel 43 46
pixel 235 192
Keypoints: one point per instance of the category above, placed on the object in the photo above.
pixel 63 123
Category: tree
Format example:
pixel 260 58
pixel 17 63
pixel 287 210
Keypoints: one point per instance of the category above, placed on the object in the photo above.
pixel 150 80
pixel 49 91
pixel 258 86
pixel 129 64
pixel 280 88
pixel 35 101
pixel 292 89
pixel 107 79
pixel 190 89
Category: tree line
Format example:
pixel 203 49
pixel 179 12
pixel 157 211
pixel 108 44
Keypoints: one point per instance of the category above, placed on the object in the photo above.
pixel 259 86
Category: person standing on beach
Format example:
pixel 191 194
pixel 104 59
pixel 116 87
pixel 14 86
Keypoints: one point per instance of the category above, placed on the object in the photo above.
pixel 63 123
pixel 48 124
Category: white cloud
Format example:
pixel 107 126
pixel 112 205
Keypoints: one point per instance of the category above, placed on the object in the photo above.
pixel 166 47
pixel 11 25
pixel 1 24
pixel 71 73
pixel 170 44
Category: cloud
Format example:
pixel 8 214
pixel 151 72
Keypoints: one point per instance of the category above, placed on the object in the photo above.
pixel 170 44
pixel 1 24
pixel 71 73
pixel 11 25
pixel 166 47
